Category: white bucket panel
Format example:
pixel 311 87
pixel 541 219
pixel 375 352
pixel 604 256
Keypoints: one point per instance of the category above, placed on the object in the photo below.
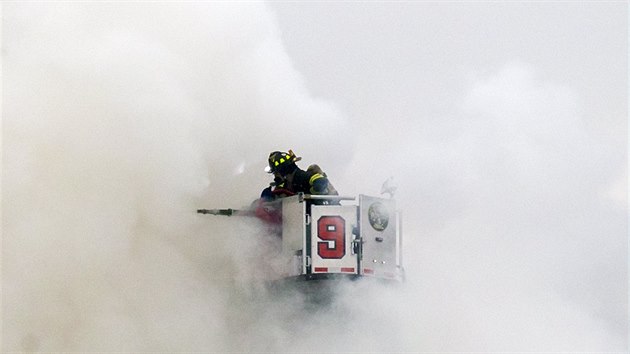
pixel 378 223
pixel 331 239
pixel 293 233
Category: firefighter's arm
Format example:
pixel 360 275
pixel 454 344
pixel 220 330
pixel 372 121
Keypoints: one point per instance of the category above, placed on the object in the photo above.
pixel 319 184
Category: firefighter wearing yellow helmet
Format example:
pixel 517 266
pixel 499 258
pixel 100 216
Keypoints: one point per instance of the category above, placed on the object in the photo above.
pixel 290 177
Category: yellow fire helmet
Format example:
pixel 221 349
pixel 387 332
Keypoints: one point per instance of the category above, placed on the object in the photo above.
pixel 278 159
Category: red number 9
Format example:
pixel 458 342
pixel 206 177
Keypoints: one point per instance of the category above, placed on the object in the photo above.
pixel 331 229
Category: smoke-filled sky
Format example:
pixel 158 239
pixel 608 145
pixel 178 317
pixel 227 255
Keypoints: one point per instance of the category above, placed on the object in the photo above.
pixel 504 125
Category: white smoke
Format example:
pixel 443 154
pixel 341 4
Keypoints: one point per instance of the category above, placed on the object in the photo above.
pixel 119 120
pixel 515 236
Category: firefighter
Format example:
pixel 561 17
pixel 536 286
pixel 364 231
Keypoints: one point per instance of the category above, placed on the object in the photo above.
pixel 288 176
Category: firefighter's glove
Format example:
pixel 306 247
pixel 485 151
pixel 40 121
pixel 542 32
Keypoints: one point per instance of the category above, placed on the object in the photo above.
pixel 266 194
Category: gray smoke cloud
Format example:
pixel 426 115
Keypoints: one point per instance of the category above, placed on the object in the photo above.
pixel 119 120
pixel 515 222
